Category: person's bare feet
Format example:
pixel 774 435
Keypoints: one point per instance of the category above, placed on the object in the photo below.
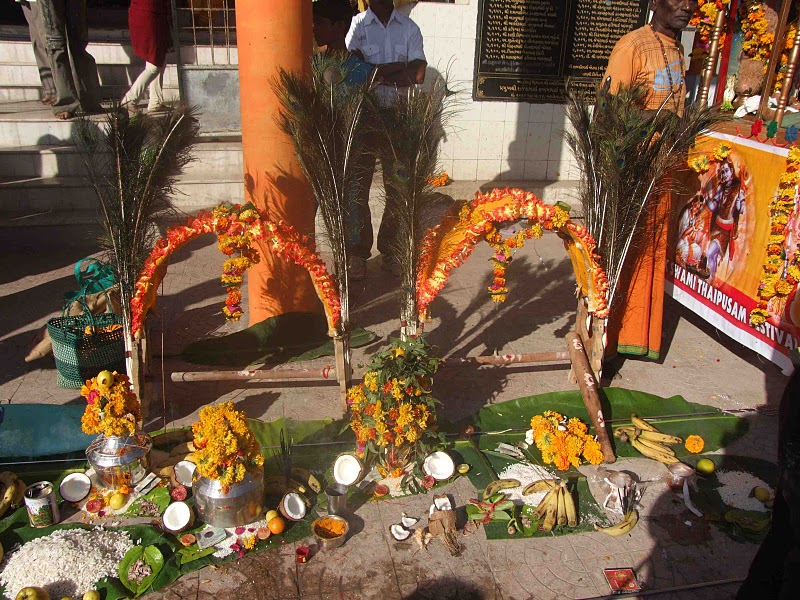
pixel 64 115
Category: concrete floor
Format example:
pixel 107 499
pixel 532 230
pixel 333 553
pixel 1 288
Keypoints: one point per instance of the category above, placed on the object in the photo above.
pixel 699 363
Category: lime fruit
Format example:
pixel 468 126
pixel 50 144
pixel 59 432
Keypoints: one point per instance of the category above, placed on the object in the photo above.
pixel 271 514
pixel 761 493
pixel 117 501
pixel 705 466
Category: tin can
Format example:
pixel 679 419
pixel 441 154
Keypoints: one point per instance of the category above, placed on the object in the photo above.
pixel 40 502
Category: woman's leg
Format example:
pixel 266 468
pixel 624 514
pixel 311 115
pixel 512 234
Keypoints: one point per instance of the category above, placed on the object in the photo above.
pixel 156 90
pixel 150 73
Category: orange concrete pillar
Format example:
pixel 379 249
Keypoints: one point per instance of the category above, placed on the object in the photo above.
pixel 271 35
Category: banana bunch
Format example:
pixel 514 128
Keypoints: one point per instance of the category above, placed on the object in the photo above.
pixel 12 491
pixel 498 485
pixel 649 441
pixel 623 527
pixel 557 507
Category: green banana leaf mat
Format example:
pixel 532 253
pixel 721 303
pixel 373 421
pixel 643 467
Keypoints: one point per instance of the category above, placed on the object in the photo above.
pixel 317 443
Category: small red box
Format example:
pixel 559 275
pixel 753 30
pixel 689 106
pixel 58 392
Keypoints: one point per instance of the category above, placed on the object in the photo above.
pixel 622 581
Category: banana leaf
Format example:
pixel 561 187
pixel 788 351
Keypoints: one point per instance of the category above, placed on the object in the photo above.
pixel 589 512
pixel 158 496
pixel 151 556
pixel 672 415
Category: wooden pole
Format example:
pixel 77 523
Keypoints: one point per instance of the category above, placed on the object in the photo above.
pixel 791 68
pixel 774 58
pixel 327 372
pixel 588 386
pixel 344 370
pixel 711 62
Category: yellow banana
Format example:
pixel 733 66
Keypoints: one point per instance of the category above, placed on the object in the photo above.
pixel 561 516
pixel 569 506
pixel 628 430
pixel 20 498
pixel 623 527
pixel 498 485
pixel 540 486
pixel 550 498
pixel 642 424
pixel 9 480
pixel 552 513
pixel 647 451
pixel 657 436
pixel 657 446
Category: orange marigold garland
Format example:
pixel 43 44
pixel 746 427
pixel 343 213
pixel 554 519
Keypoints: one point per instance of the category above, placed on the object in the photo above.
pixel 563 442
pixel 503 255
pixel 440 180
pixel 238 228
pixel 449 244
pixel 704 19
pixel 112 407
pixel 758 40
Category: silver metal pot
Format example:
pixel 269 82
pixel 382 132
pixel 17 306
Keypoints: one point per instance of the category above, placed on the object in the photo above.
pixel 241 505
pixel 120 460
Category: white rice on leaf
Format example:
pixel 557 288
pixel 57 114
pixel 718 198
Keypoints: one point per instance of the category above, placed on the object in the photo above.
pixel 67 563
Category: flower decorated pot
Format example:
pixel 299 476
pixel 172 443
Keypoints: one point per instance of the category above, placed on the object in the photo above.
pixel 120 460
pixel 241 505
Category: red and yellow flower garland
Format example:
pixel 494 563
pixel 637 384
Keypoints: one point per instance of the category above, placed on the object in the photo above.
pixel 704 19
pixel 503 253
pixel 781 272
pixel 758 40
pixel 449 244
pixel 238 228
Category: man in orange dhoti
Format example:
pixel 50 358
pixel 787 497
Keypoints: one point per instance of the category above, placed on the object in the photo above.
pixel 652 55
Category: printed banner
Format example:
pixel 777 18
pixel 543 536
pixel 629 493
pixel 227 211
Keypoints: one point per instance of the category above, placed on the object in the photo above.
pixel 721 244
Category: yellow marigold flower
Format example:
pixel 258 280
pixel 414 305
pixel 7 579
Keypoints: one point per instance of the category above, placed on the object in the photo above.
pixel 794 155
pixel 722 152
pixel 397 352
pixel 592 452
pixel 413 434
pixel 695 444
pixel 560 218
pixel 537 230
pixel 371 381
pixel 249 542
pixel 758 316
pixel 406 416
pixel 783 288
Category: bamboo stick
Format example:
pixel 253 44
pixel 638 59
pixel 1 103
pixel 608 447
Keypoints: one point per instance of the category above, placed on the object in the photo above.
pixel 327 372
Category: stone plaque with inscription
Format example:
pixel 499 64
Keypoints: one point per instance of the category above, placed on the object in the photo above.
pixel 526 49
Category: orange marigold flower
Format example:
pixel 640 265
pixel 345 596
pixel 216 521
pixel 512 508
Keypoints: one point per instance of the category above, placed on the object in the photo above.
pixel 695 444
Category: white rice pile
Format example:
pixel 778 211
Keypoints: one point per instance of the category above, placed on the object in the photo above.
pixel 67 563
pixel 736 489
pixel 526 474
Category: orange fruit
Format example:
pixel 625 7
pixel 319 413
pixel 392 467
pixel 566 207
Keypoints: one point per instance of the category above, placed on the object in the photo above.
pixel 276 525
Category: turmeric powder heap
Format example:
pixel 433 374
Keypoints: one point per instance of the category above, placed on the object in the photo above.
pixel 329 528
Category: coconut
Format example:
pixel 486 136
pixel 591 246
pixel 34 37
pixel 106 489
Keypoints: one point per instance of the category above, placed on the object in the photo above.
pixel 293 507
pixel 399 532
pixel 178 517
pixel 184 472
pixel 408 522
pixel 75 487
pixel 439 465
pixel 347 469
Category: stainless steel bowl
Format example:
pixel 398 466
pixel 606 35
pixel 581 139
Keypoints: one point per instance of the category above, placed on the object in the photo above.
pixel 119 460
pixel 327 543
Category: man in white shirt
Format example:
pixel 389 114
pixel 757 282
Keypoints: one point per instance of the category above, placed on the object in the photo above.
pixel 391 42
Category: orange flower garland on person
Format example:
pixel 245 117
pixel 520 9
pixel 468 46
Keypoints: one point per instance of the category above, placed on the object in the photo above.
pixel 563 442
pixel 695 444
pixel 112 410
pixel 450 243
pixel 237 228
pixel 226 448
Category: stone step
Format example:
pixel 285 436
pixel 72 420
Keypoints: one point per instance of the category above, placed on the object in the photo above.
pixel 21 196
pixel 212 159
pixel 115 76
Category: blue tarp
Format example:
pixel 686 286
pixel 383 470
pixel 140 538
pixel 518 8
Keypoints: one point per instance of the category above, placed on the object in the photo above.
pixel 34 430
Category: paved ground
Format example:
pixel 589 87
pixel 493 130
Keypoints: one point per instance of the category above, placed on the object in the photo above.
pixel 699 363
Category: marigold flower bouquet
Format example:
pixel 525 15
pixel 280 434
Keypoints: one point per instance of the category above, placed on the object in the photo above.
pixel 392 411
pixel 563 442
pixel 112 408
pixel 226 448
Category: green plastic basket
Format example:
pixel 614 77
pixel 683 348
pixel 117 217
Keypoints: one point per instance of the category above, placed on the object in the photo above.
pixel 80 356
